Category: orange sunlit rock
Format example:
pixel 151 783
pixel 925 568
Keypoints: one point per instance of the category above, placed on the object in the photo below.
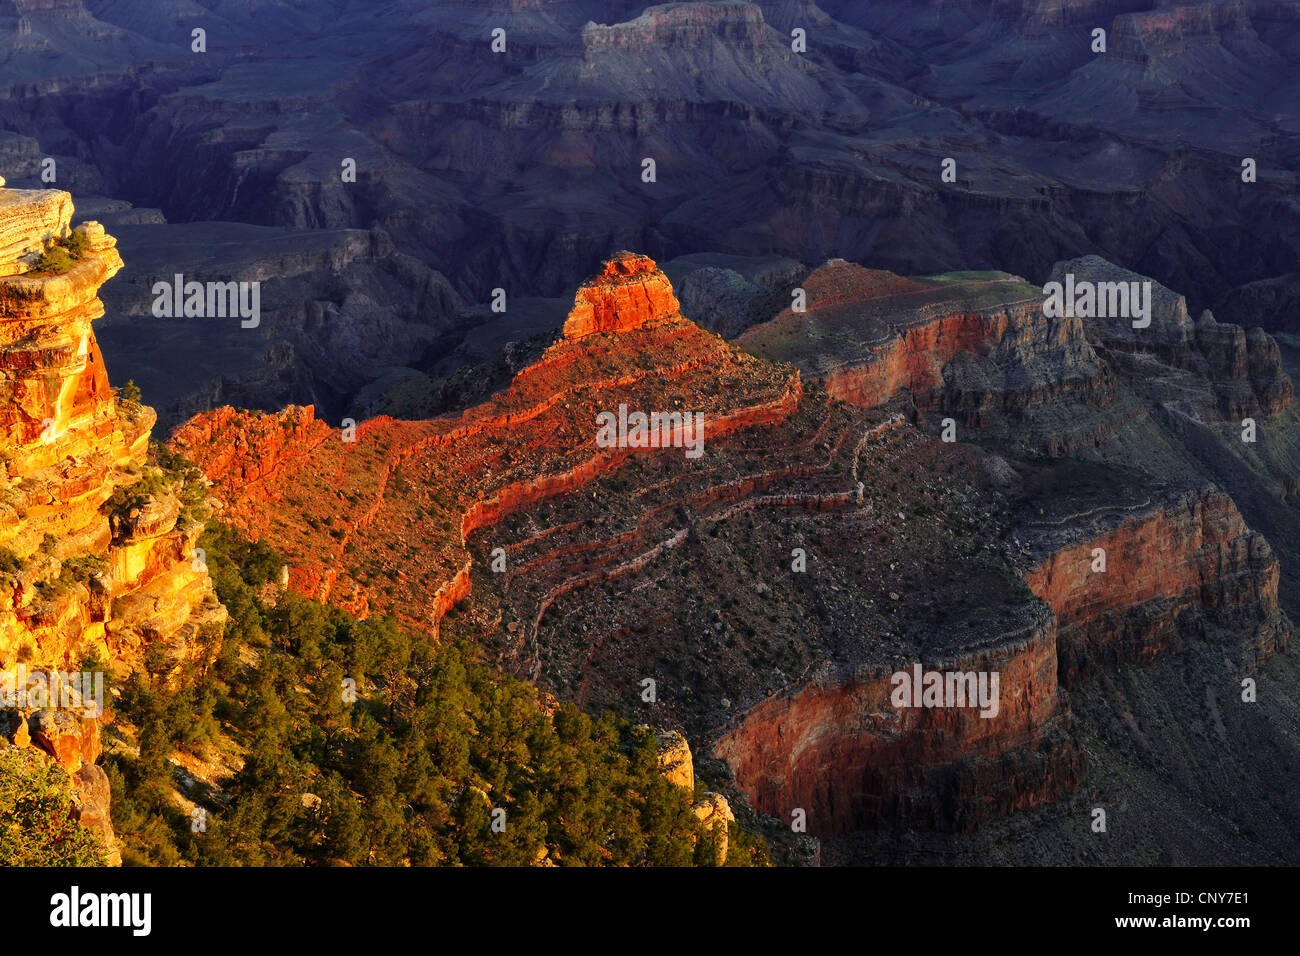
pixel 333 509
pixel 66 446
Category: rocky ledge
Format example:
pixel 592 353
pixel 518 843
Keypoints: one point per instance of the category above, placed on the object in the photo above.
pixel 97 556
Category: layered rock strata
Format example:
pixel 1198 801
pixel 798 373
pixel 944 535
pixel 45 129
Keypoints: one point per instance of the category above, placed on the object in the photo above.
pixel 982 349
pixel 975 347
pixel 1209 370
pixel 1127 581
pixel 379 519
pixel 771 588
pixel 96 560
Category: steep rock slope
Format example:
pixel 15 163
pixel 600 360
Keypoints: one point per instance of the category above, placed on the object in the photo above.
pixel 528 443
pixel 768 589
pixel 1168 554
pixel 98 553
pixel 982 349
pixel 975 347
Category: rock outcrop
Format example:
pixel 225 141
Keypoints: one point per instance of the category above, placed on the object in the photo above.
pixel 353 505
pixel 1128 580
pixel 714 812
pixel 713 809
pixel 97 557
pixel 840 750
pixel 84 546
pixel 28 222
pixel 981 349
pixel 675 761
pixel 1238 370
pixel 975 347
pixel 630 293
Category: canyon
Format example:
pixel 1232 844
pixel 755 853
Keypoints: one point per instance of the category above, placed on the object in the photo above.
pixel 916 466
pixel 818 545
pixel 521 170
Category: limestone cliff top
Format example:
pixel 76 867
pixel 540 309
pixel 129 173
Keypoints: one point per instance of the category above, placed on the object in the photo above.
pixel 30 218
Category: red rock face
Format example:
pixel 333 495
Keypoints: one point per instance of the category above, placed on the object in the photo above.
pixel 1177 562
pixel 406 496
pixel 66 447
pixel 629 293
pixel 851 760
pixel 973 346
pixel 55 391
pixel 259 447
pixel 1194 555
pixel 915 361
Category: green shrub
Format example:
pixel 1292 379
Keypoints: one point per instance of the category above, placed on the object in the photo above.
pixel 53 261
pixel 62 255
pixel 36 824
pixel 77 244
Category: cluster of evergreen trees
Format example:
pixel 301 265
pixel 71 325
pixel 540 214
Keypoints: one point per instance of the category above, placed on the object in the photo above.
pixel 36 822
pixel 417 768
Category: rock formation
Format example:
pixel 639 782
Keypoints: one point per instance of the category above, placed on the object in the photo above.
pixel 1239 370
pixel 715 813
pixel 1127 580
pixel 97 558
pixel 630 293
pixel 675 760
pixel 712 809
pixel 28 221
pixel 981 349
pixel 533 441
pixel 774 586
pixel 975 347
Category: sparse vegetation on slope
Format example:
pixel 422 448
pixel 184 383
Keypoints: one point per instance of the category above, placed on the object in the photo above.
pixel 410 772
pixel 62 255
pixel 37 827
